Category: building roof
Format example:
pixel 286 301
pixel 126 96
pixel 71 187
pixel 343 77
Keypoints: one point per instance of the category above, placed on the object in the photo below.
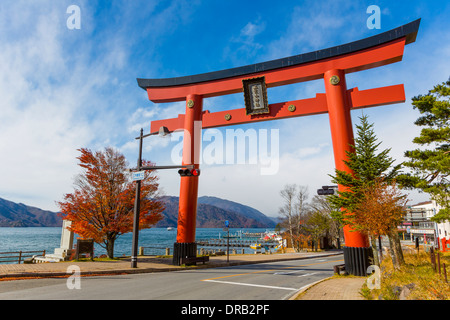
pixel 422 204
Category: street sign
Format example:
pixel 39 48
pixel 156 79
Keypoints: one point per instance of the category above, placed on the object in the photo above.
pixel 138 176
pixel 227 223
pixel 325 192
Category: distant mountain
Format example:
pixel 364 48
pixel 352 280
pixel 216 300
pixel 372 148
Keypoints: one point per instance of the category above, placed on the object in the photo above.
pixel 20 215
pixel 241 209
pixel 212 213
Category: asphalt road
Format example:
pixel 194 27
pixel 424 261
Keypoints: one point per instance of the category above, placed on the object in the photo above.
pixel 262 281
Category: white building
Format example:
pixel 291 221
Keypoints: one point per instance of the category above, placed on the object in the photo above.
pixel 418 219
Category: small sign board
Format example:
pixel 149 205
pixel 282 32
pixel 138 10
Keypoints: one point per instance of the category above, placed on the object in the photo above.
pixel 421 231
pixel 138 176
pixel 227 223
pixel 85 246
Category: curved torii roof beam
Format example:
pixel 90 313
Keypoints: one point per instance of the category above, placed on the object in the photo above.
pixel 375 51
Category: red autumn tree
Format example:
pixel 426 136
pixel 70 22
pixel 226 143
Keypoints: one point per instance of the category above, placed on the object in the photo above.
pixel 102 205
pixel 380 212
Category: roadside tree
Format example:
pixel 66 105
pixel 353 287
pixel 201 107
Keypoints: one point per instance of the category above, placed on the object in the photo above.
pixel 380 212
pixel 293 211
pixel 318 225
pixel 332 230
pixel 431 165
pixel 101 206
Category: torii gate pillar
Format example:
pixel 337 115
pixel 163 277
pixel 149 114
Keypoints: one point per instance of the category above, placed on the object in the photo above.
pixel 187 208
pixel 357 245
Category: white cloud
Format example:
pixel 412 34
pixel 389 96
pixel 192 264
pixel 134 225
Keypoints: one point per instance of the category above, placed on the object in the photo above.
pixel 52 103
pixel 250 31
pixel 245 183
pixel 37 126
pixel 313 26
pixel 241 48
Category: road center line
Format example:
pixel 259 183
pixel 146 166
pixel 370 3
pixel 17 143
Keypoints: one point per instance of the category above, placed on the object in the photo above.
pixel 252 285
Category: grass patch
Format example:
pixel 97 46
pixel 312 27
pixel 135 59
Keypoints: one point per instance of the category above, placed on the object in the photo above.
pixel 418 274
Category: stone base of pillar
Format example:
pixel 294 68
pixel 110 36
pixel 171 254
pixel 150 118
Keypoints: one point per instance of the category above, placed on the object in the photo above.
pixel 357 260
pixel 182 250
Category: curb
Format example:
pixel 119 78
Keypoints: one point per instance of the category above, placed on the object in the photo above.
pixel 306 288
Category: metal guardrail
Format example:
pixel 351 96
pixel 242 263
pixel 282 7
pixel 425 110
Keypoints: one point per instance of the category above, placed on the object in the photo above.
pixel 235 243
pixel 19 256
pixel 232 243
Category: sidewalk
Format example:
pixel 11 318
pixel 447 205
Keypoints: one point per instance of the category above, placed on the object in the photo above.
pixel 144 264
pixel 340 287
pixel 333 289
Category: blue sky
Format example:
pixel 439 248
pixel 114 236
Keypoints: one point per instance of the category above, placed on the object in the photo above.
pixel 65 89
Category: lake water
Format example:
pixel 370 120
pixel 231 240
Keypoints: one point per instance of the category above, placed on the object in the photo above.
pixel 35 239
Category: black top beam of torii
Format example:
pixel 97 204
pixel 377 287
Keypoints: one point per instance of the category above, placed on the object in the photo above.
pixel 408 30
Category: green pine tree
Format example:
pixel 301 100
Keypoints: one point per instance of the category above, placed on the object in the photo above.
pixel 367 166
pixel 431 166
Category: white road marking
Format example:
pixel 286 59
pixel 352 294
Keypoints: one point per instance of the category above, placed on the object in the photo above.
pixel 252 285
pixel 307 274
pixel 283 273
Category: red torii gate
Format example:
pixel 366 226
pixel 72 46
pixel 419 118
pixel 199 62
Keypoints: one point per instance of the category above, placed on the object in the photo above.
pixel 331 64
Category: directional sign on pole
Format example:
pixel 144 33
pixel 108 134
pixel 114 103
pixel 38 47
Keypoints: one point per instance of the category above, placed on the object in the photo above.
pixel 138 176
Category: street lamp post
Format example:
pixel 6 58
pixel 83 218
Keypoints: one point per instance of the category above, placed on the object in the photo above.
pixel 163 131
pixel 137 207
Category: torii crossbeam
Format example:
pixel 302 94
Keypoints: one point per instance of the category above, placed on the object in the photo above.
pixel 330 64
